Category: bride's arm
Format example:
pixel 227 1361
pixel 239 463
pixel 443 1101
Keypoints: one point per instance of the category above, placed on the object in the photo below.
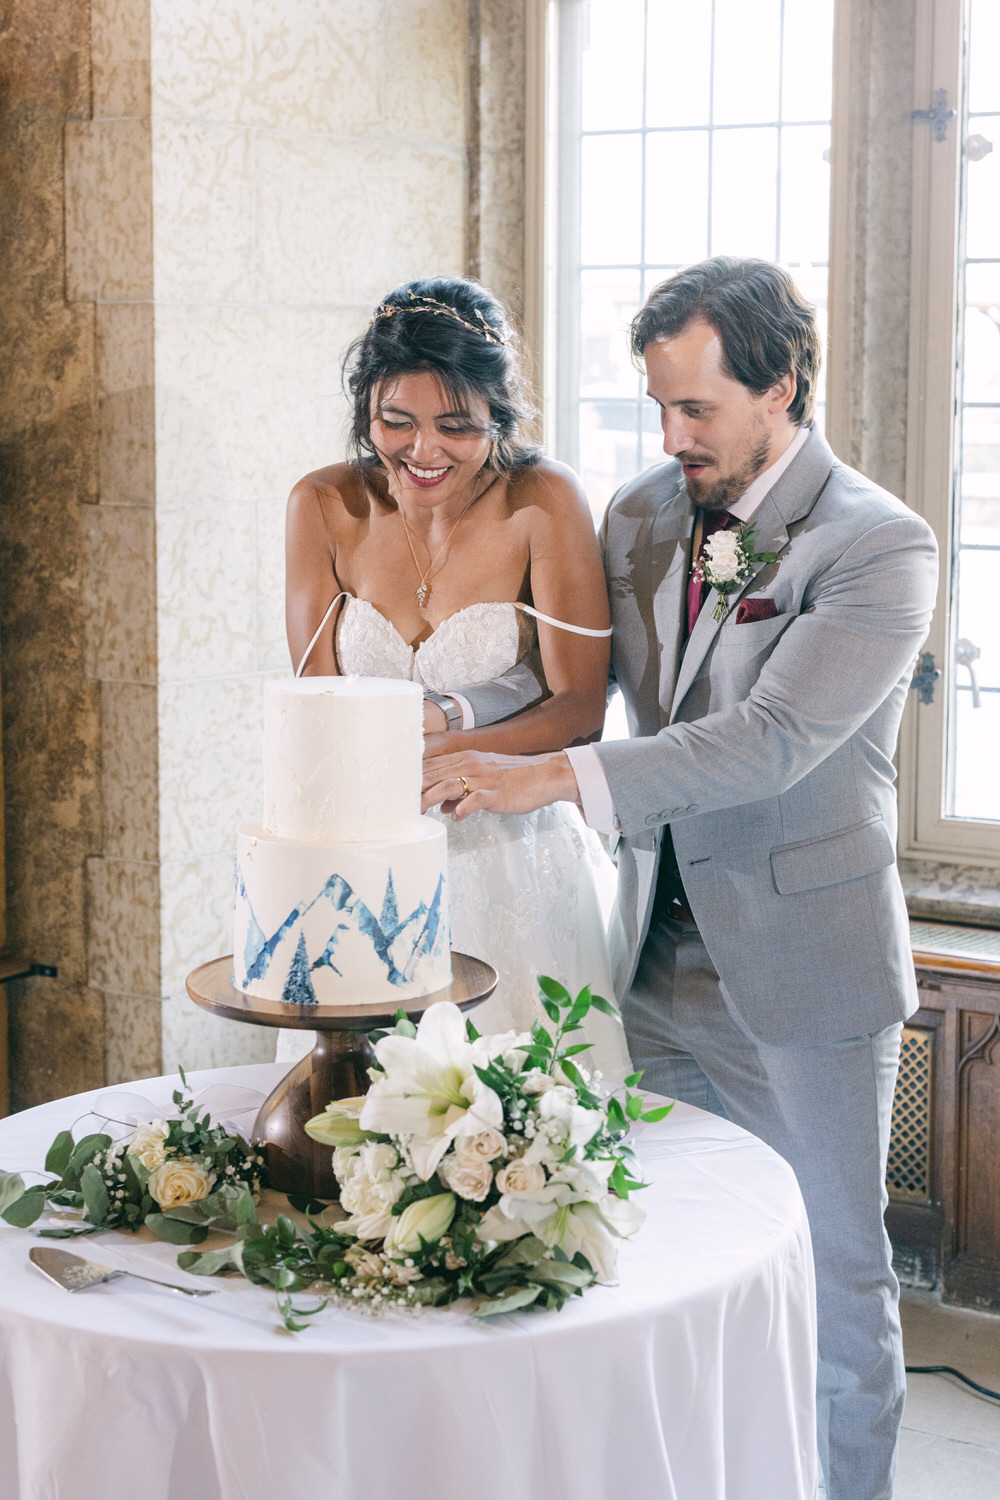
pixel 567 582
pixel 310 576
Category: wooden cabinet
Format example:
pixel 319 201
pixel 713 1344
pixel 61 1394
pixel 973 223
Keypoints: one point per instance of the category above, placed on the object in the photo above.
pixel 944 1160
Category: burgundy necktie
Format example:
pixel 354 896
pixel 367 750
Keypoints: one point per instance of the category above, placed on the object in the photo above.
pixel 714 520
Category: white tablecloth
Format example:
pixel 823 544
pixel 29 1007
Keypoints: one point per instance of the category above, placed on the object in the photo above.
pixel 692 1380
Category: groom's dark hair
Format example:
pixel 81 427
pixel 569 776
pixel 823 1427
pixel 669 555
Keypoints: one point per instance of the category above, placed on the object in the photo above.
pixel 766 327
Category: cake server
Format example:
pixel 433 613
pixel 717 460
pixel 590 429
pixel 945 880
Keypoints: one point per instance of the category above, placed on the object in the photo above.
pixel 74 1274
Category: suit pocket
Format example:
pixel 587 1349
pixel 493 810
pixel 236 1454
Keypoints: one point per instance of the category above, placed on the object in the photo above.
pixel 835 857
pixel 752 635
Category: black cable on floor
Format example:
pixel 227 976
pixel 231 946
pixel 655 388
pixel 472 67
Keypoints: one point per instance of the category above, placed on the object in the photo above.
pixel 949 1370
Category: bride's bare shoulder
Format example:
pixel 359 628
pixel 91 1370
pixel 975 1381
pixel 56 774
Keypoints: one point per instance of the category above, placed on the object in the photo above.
pixel 550 487
pixel 335 492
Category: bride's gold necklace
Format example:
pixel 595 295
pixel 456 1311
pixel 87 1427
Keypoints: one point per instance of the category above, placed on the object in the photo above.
pixel 425 576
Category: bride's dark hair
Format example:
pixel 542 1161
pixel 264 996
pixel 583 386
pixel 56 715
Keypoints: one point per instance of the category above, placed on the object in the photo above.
pixel 460 333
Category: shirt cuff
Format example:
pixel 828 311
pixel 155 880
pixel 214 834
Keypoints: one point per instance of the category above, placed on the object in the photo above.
pixel 595 794
pixel 468 715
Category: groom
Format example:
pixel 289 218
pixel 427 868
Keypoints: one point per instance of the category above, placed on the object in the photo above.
pixel 760 937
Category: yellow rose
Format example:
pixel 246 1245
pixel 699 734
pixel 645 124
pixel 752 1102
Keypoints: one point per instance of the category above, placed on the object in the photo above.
pixel 148 1144
pixel 180 1180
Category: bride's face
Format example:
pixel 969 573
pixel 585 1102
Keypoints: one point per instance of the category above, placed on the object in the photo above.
pixel 432 448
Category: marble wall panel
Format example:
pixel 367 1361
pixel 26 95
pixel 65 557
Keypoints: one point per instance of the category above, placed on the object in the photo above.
pixel 210 763
pixel 206 605
pixel 120 593
pixel 313 65
pixel 248 399
pixel 426 71
pixel 272 648
pixel 343 221
pixel 196 913
pixel 132 1038
pixel 203 206
pixel 109 219
pixel 119 31
pixel 129 771
pixel 125 386
pixel 501 69
pixel 123 926
pixel 193 1038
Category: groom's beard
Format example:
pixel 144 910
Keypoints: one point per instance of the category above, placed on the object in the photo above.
pixel 723 492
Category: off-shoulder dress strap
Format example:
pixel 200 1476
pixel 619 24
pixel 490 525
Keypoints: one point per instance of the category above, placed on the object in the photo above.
pixel 559 624
pixel 322 626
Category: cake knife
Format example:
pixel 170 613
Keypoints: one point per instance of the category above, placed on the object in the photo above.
pixel 74 1274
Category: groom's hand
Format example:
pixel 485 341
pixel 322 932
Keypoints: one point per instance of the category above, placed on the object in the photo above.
pixel 466 782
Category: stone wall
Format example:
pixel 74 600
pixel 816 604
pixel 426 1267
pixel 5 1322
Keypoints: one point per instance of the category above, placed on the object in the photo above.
pixel 243 180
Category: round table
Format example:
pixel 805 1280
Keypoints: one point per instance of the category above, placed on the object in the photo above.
pixel 694 1379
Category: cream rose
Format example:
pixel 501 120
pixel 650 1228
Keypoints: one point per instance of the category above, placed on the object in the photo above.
pixel 470 1150
pixel 521 1177
pixel 180 1180
pixel 723 556
pixel 470 1180
pixel 148 1144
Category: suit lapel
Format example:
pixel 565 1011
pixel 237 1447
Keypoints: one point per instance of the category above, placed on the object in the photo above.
pixel 792 498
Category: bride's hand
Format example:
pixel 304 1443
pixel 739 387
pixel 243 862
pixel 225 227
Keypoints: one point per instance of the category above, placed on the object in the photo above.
pixel 471 780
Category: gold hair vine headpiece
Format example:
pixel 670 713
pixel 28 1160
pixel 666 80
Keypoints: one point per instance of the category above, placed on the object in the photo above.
pixel 430 304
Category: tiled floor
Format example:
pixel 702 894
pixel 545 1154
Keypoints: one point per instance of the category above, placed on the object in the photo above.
pixel 950 1444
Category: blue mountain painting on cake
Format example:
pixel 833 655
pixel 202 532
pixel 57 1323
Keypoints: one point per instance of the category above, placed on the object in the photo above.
pixel 400 943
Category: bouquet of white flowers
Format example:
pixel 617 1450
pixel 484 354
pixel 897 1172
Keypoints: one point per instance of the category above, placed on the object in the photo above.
pixel 483 1166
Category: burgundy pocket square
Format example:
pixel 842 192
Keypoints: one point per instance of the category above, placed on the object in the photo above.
pixel 755 609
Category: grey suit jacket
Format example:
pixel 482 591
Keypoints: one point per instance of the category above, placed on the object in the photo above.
pixel 767 746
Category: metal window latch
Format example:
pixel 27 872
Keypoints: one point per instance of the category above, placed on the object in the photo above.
pixel 925 677
pixel 966 654
pixel 938 115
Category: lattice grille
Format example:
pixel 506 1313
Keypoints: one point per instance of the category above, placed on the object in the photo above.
pixel 908 1172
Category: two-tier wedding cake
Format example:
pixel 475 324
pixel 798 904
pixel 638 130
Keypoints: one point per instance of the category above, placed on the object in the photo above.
pixel 341 888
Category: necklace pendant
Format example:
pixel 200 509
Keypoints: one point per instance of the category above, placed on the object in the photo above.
pixel 422 593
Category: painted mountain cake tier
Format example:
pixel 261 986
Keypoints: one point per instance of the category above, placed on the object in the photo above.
pixel 341 889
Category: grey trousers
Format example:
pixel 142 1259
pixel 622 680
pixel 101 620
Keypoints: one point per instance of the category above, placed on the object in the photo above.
pixel 827 1111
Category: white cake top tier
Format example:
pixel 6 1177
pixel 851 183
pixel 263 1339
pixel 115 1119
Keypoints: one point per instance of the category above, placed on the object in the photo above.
pixel 342 758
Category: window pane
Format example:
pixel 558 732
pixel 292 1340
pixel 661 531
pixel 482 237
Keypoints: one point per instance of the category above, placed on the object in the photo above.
pixel 984 54
pixel 983 193
pixel 744 192
pixel 609 301
pixel 679 66
pixel 805 88
pixel 805 194
pixel 981 352
pixel 747 61
pixel 608 449
pixel 677 196
pixel 979 516
pixel 611 206
pixel 612 65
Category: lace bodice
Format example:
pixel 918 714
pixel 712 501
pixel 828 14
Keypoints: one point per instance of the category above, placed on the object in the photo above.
pixel 473 645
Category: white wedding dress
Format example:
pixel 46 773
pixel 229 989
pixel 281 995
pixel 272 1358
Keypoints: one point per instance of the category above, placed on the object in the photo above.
pixel 521 888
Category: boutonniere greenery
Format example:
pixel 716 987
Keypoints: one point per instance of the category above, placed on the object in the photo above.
pixel 728 559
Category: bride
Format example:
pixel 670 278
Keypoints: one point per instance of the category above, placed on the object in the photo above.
pixel 456 551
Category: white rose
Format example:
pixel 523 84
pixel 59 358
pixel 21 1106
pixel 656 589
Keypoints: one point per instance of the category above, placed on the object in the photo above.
pixel 148 1144
pixel 486 1146
pixel 723 556
pixel 574 1124
pixel 469 1180
pixel 521 1177
pixel 536 1082
pixel 370 1183
pixel 180 1180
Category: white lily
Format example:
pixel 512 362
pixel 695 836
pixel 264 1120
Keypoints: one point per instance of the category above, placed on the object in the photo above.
pixel 431 1091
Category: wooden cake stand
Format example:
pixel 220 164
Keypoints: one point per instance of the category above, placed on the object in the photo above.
pixel 336 1068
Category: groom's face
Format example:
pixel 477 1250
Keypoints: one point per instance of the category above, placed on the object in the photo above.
pixel 722 432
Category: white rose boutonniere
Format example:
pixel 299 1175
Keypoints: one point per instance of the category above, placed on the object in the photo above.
pixel 728 560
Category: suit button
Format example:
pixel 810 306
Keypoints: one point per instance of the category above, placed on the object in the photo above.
pixel 692 808
pixel 655 818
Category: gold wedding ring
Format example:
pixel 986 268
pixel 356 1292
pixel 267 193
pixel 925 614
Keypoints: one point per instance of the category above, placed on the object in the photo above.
pixel 466 789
